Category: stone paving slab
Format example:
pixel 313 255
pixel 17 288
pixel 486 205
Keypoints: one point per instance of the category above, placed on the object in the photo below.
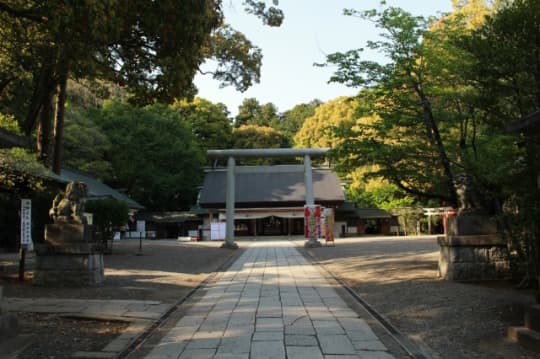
pixel 271 303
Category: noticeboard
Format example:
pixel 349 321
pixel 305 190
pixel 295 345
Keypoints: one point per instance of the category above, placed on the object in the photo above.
pixel 217 231
pixel 26 222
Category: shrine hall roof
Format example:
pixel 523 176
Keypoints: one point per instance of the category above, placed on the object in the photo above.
pixel 271 186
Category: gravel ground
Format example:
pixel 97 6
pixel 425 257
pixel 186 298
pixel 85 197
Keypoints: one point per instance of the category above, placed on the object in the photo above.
pixel 398 277
pixel 166 271
pixel 57 337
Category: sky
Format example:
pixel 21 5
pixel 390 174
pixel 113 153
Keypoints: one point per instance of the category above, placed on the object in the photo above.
pixel 311 30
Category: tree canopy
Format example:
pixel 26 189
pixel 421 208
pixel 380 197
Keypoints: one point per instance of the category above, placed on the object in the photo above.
pixel 153 49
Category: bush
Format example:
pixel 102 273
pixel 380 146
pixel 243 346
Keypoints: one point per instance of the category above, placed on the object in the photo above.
pixel 108 214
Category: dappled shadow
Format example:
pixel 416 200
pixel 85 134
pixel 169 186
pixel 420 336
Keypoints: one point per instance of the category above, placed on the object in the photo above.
pixel 166 271
pixel 398 277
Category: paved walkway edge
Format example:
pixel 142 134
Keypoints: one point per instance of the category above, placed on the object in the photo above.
pixel 271 303
pixel 413 349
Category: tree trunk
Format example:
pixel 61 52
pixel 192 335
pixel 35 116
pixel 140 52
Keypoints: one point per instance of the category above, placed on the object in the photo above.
pixel 44 131
pixel 59 121
pixel 435 135
pixel 36 103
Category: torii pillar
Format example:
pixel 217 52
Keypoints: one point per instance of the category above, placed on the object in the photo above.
pixel 231 155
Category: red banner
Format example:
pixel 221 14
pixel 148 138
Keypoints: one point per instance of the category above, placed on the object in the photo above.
pixel 312 221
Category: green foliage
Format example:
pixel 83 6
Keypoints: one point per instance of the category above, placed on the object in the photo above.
pixel 108 215
pixel 271 16
pixel 506 72
pixel 153 154
pixel 85 144
pixel 317 130
pixel 383 195
pixel 251 112
pixel 209 122
pixel 238 60
pixel 421 98
pixel 20 171
pixel 291 121
pixel 152 49
pixel 253 136
pixel 506 62
pixel 10 124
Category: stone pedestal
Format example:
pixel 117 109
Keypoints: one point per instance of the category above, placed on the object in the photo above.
pixel 8 323
pixel 312 243
pixel 69 256
pixel 472 251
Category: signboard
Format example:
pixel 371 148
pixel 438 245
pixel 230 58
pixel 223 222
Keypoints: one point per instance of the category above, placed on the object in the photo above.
pixel 329 224
pixel 26 222
pixel 141 227
pixel 217 231
pixel 312 221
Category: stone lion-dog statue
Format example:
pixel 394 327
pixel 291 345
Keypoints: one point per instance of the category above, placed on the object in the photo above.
pixel 68 206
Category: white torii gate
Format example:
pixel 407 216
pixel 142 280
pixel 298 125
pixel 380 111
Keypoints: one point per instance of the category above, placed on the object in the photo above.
pixel 232 154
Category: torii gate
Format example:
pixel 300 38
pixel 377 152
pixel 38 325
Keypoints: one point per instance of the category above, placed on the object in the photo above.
pixel 232 154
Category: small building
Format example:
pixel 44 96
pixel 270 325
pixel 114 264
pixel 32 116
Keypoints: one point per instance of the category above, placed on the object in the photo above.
pixel 172 224
pixel 98 189
pixel 358 221
pixel 269 200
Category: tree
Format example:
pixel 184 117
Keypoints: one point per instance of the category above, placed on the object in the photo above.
pixel 254 136
pixel 507 62
pixel 424 129
pixel 317 130
pixel 251 112
pixel 292 120
pixel 153 154
pixel 506 55
pixel 153 48
pixel 20 171
pixel 209 122
pixel 85 143
pixel 108 215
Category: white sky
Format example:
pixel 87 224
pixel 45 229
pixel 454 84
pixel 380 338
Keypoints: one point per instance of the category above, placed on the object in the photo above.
pixel 312 29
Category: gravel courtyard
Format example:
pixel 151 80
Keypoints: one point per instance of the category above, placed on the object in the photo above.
pixel 398 277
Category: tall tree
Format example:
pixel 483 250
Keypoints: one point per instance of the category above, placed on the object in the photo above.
pixel 208 121
pixel 506 54
pixel 153 154
pixel 251 112
pixel 317 130
pixel 415 96
pixel 292 120
pixel 254 136
pixel 153 48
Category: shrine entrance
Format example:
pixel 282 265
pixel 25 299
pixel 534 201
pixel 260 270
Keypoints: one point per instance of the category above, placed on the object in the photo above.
pixel 270 225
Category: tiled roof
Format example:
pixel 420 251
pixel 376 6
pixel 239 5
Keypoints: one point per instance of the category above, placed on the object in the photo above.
pixel 271 186
pixel 97 189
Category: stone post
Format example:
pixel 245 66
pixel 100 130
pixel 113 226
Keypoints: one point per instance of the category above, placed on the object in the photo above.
pixel 313 241
pixel 229 204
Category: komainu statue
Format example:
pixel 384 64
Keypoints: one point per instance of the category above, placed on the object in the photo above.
pixel 468 196
pixel 68 206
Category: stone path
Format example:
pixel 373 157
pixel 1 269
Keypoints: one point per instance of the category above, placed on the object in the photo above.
pixel 271 303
